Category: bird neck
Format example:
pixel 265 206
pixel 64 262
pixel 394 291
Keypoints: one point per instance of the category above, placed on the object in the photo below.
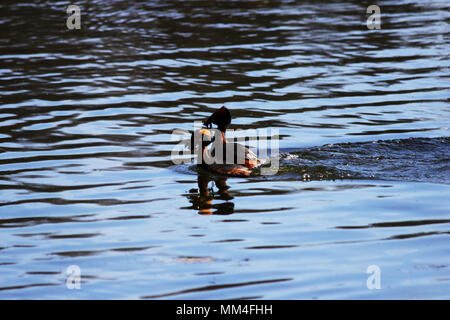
pixel 222 132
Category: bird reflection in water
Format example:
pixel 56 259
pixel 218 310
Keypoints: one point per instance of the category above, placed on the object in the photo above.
pixel 214 200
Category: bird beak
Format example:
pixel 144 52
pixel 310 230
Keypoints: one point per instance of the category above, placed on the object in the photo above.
pixel 200 137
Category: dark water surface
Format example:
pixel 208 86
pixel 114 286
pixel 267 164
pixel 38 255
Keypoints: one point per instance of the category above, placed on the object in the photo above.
pixel 86 121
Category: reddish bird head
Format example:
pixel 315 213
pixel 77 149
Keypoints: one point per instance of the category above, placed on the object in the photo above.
pixel 221 118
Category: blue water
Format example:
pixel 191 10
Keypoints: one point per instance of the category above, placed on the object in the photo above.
pixel 87 180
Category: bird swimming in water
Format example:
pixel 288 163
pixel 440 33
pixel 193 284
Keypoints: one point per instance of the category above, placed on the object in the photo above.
pixel 200 140
pixel 238 153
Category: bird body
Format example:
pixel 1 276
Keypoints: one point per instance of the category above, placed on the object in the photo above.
pixel 226 158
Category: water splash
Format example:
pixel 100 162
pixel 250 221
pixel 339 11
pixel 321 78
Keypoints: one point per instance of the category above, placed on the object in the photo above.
pixel 414 159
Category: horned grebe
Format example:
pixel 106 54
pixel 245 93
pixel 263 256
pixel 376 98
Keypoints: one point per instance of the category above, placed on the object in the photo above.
pixel 222 118
pixel 199 142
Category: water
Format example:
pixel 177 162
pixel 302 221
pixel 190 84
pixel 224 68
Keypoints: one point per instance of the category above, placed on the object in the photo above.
pixel 85 138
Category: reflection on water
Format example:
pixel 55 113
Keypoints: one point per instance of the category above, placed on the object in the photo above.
pixel 86 118
pixel 203 197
